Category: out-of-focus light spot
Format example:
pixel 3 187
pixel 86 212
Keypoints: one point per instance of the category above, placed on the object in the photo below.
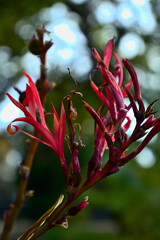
pixel 83 65
pixel 153 58
pixel 5 54
pixel 155 63
pixel 7 173
pixel 9 69
pixel 147 22
pixel 101 36
pixel 24 29
pixel 146 158
pixel 153 82
pixel 65 54
pixel 105 13
pixel 33 68
pixel 78 1
pixel 131 45
pixel 63 31
pixel 139 2
pixel 9 112
pixel 13 158
pixel 126 13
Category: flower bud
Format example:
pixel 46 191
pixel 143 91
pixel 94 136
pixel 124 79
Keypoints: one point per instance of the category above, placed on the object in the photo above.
pixel 76 209
pixel 34 46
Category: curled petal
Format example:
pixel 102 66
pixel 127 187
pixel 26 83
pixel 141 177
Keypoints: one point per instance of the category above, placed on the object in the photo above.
pixel 47 136
pixel 10 130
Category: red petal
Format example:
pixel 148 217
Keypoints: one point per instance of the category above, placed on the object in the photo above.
pixel 100 94
pixel 133 74
pixel 127 124
pixel 38 139
pixel 47 136
pixel 10 130
pixel 112 107
pixel 37 98
pixel 55 123
pixel 95 116
pixel 96 55
pixel 121 69
pixel 30 101
pixel 127 86
pixel 141 146
pixel 108 52
pixel 62 126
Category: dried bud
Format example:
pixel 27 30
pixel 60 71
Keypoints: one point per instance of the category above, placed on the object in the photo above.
pixel 34 46
pixel 63 222
pixel 29 194
pixel 73 113
pixel 24 171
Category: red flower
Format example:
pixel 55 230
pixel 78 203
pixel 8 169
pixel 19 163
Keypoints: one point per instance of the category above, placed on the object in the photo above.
pixel 32 101
pixel 111 124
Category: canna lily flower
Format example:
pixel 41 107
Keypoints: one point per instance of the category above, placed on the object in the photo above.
pixel 32 107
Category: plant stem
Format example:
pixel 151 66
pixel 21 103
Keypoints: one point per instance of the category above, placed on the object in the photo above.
pixel 51 222
pixel 20 197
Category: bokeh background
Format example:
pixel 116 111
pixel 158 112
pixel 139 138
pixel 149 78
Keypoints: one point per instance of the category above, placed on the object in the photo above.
pixel 126 205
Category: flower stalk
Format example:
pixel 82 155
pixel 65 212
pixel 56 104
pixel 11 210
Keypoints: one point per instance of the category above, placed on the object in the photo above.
pixel 112 121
